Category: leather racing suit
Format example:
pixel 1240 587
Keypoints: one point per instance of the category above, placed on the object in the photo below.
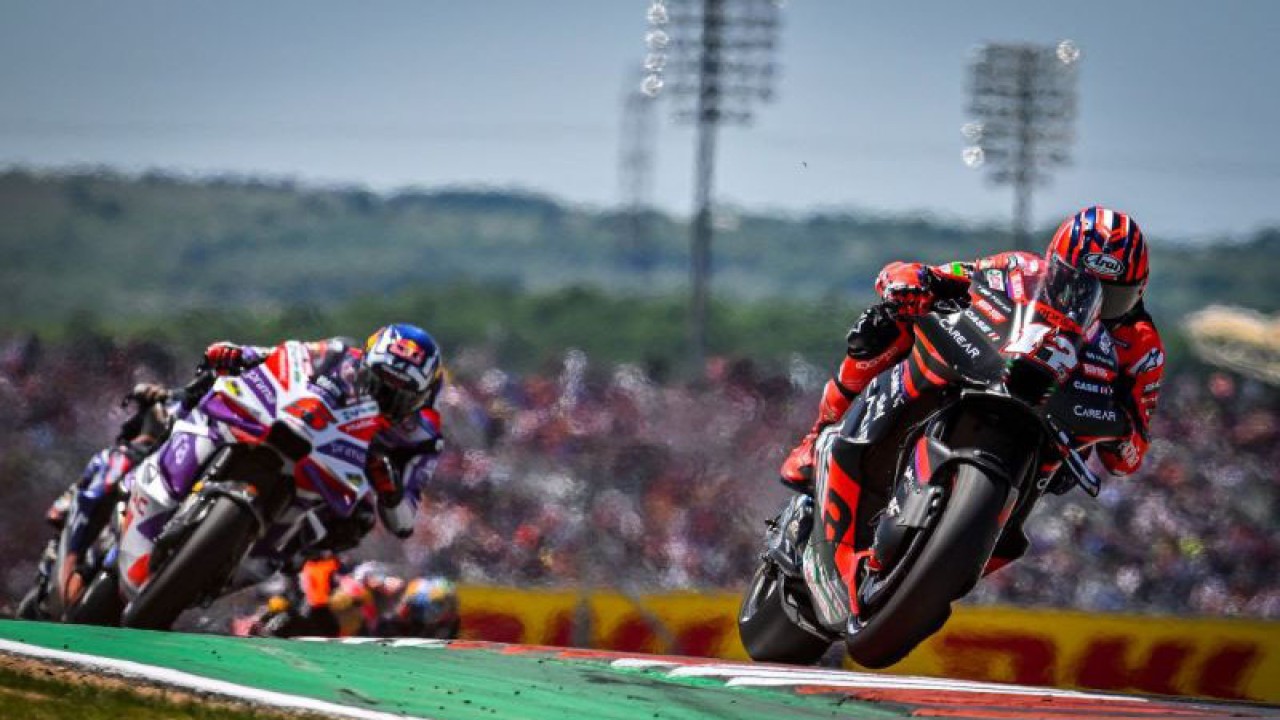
pixel 881 337
pixel 401 461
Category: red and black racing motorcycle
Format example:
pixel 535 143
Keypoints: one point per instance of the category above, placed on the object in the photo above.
pixel 947 449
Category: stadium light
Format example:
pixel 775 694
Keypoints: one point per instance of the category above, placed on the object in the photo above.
pixel 715 58
pixel 635 175
pixel 1023 101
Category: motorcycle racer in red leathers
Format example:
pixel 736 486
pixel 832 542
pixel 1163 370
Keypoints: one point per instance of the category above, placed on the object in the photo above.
pixel 1102 242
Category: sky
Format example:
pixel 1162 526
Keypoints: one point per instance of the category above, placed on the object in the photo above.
pixel 1177 116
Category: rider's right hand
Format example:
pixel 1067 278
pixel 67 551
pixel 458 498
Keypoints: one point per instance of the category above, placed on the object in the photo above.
pixel 224 357
pixel 873 332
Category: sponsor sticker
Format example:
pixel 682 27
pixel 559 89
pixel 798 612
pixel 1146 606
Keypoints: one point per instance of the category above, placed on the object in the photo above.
pixel 345 451
pixel 987 308
pixel 963 342
pixel 1093 413
pixel 1099 372
pixel 1104 265
pixel 1091 387
pixel 974 318
pixel 1016 289
pixel 1104 342
pixel 261 387
pixel 1152 360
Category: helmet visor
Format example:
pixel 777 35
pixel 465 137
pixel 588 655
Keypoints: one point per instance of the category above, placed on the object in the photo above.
pixel 1119 299
pixel 396 396
pixel 1076 294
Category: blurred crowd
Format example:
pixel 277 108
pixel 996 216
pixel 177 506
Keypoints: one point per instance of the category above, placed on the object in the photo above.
pixel 1194 531
pixel 612 477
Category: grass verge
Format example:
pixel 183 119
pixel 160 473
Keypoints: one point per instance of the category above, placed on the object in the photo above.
pixel 38 690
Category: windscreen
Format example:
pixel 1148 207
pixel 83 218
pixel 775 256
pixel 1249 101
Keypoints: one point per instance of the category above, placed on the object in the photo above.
pixel 1076 294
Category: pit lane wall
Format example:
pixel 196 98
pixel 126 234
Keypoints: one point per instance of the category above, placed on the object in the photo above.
pixel 1229 659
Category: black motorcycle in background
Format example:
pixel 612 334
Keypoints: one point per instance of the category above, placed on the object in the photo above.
pixel 64 588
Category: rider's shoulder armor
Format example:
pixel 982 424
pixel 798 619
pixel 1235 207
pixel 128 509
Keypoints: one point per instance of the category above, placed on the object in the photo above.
pixel 336 371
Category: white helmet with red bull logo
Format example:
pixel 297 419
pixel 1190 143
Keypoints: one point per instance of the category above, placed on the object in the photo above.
pixel 404 369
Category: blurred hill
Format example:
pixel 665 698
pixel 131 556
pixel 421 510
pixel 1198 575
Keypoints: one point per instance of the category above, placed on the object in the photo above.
pixel 126 250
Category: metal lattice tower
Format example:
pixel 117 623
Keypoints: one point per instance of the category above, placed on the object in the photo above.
pixel 1023 101
pixel 715 58
pixel 635 178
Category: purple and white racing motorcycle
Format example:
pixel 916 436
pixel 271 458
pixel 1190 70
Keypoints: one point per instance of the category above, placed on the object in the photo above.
pixel 262 468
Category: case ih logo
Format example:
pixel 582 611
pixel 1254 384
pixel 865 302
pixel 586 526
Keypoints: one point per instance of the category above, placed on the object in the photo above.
pixel 1104 265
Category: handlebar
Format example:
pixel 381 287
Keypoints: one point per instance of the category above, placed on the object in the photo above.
pixel 145 395
pixel 199 385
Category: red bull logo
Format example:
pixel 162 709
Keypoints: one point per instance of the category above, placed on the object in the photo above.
pixel 409 351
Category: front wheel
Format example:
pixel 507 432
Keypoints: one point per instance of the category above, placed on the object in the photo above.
pixel 202 563
pixel 31 606
pixel 947 567
pixel 772 625
pixel 101 603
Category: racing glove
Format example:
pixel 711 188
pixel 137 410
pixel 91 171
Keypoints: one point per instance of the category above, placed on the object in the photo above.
pixel 911 289
pixel 873 332
pixel 397 515
pixel 148 394
pixel 904 286
pixel 224 357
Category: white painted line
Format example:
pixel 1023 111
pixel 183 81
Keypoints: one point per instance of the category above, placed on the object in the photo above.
pixel 641 663
pixel 901 685
pixel 388 642
pixel 181 679
pixel 418 643
pixel 744 675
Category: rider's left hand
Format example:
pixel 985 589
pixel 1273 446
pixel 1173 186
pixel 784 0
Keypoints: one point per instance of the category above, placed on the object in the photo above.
pixel 905 288
pixel 148 394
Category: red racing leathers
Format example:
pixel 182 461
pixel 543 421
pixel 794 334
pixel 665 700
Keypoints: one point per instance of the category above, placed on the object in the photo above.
pixel 877 341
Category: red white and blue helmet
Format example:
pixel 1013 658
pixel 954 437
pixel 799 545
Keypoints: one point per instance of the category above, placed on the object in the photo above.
pixel 1109 246
pixel 404 367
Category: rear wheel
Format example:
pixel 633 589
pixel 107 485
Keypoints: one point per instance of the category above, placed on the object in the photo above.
pixel 765 622
pixel 945 570
pixel 202 563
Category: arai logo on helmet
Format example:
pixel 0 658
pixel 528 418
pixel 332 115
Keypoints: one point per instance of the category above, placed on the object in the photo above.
pixel 1104 264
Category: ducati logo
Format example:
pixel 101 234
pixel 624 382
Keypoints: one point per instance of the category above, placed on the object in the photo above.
pixel 1104 264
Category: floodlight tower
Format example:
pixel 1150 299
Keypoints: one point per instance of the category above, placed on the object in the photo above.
pixel 1023 101
pixel 635 177
pixel 715 58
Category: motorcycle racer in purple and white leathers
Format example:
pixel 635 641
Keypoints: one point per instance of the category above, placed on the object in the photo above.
pixel 400 368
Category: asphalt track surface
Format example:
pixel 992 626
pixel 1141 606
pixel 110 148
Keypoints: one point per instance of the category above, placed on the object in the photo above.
pixel 462 680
